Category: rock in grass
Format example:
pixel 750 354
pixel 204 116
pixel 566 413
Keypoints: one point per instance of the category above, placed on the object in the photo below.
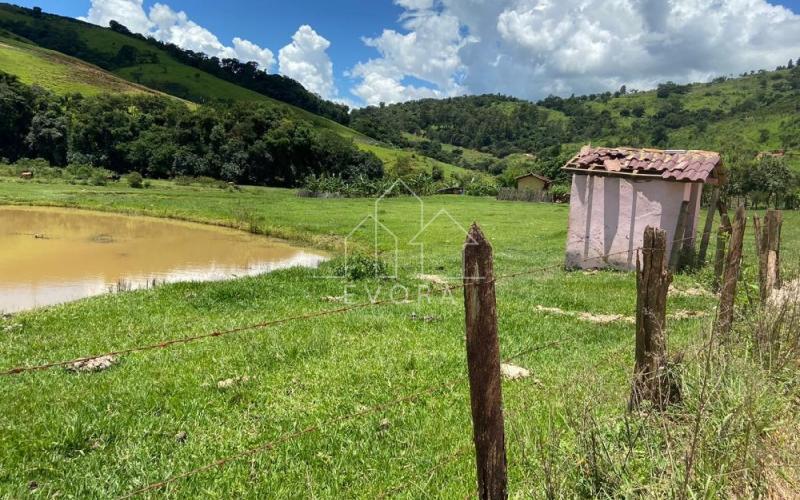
pixel 181 437
pixel 231 382
pixel 384 425
pixel 513 372
pixel 93 365
pixel 33 486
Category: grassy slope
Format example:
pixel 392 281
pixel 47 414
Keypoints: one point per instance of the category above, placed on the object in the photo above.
pixel 28 65
pixel 106 434
pixel 59 73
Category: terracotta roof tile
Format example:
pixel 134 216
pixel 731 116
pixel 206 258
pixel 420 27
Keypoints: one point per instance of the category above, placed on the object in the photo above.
pixel 672 165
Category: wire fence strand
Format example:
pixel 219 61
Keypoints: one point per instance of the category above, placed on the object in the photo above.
pixel 267 324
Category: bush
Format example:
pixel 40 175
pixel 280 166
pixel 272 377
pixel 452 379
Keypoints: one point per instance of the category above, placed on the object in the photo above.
pixel 359 266
pixel 135 180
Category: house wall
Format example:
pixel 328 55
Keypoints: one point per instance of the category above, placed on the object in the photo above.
pixel 608 215
pixel 531 183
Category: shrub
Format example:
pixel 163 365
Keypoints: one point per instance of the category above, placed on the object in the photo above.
pixel 135 180
pixel 359 266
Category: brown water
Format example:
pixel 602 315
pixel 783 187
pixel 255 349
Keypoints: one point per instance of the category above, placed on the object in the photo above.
pixel 51 256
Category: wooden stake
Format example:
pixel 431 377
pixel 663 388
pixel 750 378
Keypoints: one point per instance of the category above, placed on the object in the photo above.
pixel 651 380
pixel 483 359
pixel 712 208
pixel 723 236
pixel 679 238
pixel 768 243
pixel 733 264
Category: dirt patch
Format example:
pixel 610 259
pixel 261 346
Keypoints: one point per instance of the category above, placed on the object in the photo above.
pixel 233 382
pixel 690 292
pixel 513 372
pixel 602 319
pixel 434 279
pixel 93 365
pixel 787 295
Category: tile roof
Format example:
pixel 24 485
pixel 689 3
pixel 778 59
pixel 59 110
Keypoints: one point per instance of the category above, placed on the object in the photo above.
pixel 689 166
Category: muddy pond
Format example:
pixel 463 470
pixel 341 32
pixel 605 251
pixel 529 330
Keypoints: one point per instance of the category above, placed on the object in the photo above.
pixel 51 256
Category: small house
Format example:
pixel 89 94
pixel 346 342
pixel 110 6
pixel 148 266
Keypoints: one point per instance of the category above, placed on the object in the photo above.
pixel 617 192
pixel 533 182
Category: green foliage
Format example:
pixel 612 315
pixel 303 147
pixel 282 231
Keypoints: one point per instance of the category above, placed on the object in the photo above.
pixel 135 180
pixel 242 143
pixel 358 266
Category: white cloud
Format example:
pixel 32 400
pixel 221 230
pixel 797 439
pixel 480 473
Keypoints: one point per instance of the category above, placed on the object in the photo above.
pixel 530 48
pixel 305 59
pixel 428 52
pixel 128 12
pixel 171 26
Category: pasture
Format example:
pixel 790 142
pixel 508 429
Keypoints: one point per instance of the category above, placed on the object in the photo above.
pixel 160 413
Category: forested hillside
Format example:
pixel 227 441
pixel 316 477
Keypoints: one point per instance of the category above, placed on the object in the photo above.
pixel 754 112
pixel 253 143
pixel 183 73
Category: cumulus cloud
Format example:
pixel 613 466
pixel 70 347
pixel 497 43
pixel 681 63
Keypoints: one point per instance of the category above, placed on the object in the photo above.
pixel 428 52
pixel 306 60
pixel 129 12
pixel 168 25
pixel 531 48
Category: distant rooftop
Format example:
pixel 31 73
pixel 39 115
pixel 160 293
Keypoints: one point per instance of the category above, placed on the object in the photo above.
pixel 677 165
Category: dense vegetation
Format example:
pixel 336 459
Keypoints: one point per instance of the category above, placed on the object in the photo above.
pixel 672 116
pixel 253 143
pixel 64 35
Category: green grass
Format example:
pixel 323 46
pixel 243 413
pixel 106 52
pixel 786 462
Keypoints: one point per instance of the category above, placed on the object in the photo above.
pixel 59 73
pixel 106 434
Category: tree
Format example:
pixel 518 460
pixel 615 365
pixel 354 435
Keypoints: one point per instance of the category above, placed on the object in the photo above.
pixel 790 65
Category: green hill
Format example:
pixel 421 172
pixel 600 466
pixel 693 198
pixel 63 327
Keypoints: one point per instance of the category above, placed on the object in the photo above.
pixel 59 73
pixel 752 113
pixel 156 71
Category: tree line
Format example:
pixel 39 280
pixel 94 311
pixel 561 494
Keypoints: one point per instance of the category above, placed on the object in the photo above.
pixel 60 34
pixel 503 125
pixel 252 143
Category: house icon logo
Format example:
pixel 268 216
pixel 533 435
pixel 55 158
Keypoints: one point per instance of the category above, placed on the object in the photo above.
pixel 380 227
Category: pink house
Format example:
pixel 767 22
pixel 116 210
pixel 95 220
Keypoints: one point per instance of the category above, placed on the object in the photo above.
pixel 617 192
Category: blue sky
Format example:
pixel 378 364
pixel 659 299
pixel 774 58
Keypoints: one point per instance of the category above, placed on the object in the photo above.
pixel 438 48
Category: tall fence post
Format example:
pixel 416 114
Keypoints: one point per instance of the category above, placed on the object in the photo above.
pixel 679 240
pixel 723 236
pixel 712 208
pixel 483 359
pixel 651 377
pixel 768 244
pixel 733 264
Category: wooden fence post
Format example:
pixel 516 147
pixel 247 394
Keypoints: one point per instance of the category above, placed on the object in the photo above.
pixel 651 380
pixel 723 236
pixel 733 264
pixel 768 243
pixel 712 208
pixel 483 359
pixel 679 239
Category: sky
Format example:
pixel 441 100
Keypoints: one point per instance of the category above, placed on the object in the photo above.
pixel 364 52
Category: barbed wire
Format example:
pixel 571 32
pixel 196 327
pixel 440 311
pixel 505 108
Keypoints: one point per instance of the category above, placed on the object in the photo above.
pixel 318 427
pixel 266 324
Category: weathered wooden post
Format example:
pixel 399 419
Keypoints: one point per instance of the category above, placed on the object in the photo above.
pixel 483 360
pixel 723 236
pixel 712 208
pixel 733 263
pixel 651 380
pixel 679 239
pixel 768 244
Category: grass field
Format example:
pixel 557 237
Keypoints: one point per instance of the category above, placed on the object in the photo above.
pixel 106 434
pixel 59 73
